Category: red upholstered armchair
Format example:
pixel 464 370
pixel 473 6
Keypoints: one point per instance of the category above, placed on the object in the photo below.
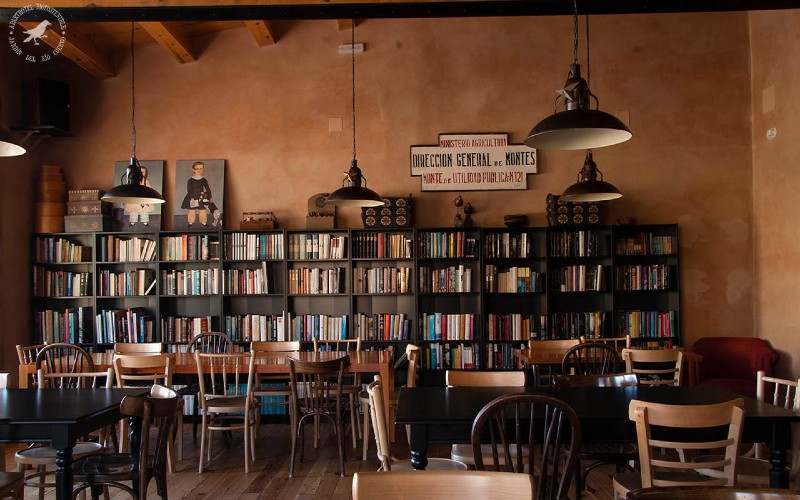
pixel 731 363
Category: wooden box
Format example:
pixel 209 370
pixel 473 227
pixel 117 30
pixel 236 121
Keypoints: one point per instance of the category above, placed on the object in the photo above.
pixel 95 207
pixel 395 212
pixel 321 221
pixel 84 194
pixel 86 223
pixel 258 220
pixel 567 213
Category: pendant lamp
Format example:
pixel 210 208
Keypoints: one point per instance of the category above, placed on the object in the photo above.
pixel 8 146
pixel 578 126
pixel 132 191
pixel 588 188
pixel 352 193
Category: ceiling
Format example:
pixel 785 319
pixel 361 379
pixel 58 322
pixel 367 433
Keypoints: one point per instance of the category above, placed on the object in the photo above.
pixel 99 28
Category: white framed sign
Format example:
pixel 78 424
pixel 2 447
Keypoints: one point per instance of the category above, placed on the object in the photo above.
pixel 473 162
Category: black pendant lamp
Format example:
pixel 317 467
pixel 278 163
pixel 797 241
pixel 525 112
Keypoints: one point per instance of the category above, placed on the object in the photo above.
pixel 8 146
pixel 578 126
pixel 588 187
pixel 132 191
pixel 352 193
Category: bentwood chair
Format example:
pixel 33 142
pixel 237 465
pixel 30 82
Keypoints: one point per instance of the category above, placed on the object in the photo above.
pixel 12 485
pixel 443 485
pixel 27 356
pixel 705 427
pixel 559 347
pixel 351 385
pixel 618 343
pixel 226 400
pixel 138 348
pixel 158 411
pixel 275 387
pixel 378 415
pixel 592 358
pixel 712 493
pixel 511 423
pixel 655 366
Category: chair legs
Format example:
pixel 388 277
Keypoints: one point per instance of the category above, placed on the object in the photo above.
pixel 298 431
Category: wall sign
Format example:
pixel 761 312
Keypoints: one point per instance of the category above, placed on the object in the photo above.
pixel 473 162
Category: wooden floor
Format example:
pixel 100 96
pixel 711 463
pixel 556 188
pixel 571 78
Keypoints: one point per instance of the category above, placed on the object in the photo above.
pixel 317 477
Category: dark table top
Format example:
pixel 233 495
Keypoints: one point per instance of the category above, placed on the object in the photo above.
pixel 47 406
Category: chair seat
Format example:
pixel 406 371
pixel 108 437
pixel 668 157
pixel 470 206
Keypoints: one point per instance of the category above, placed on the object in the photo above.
pixel 46 455
pixel 749 471
pixel 114 465
pixel 463 453
pixel 433 464
pixel 630 481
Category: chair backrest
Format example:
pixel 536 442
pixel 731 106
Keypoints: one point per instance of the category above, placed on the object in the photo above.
pixel 137 370
pixel 138 348
pixel 655 367
pixel 26 354
pixel 552 345
pixel 618 343
pixel 211 342
pixel 378 417
pixel 712 493
pixel 778 391
pixel 703 422
pixel 592 358
pixel 511 422
pixel 74 380
pixel 315 384
pixel 225 374
pixel 611 380
pixel 412 354
pixel 443 485
pixel 472 378
pixel 346 345
pixel 64 358
pixel 284 346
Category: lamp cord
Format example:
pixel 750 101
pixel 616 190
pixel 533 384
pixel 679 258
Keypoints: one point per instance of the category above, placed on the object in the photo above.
pixel 575 31
pixel 353 65
pixel 588 64
pixel 133 98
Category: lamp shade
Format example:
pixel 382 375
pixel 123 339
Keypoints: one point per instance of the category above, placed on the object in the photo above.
pixel 588 187
pixel 132 191
pixel 352 193
pixel 578 129
pixel 8 146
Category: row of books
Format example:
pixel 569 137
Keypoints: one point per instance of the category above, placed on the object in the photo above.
pixel 438 356
pixel 512 280
pixel 453 279
pixel 442 326
pixel 573 325
pixel 646 244
pixel 516 326
pixel 118 249
pixel 579 279
pixel 382 280
pixel 58 283
pixel 647 324
pixel 381 246
pixel 316 281
pixel 51 249
pixel 584 243
pixel 125 283
pixel 189 247
pixel 246 281
pixel 381 326
pixel 653 277
pixel 255 327
pixel 445 244
pixel 248 246
pixel 69 325
pixel 501 357
pixel 184 328
pixel 124 325
pixel 307 327
pixel 189 281
pixel 317 246
pixel 507 246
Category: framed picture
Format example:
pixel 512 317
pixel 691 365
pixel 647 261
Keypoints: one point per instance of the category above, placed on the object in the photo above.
pixel 139 217
pixel 199 188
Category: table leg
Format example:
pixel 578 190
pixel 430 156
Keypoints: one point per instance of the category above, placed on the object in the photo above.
pixel 64 472
pixel 419 446
pixel 134 438
pixel 781 438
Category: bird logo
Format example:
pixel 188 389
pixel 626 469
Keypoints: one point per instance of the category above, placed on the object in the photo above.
pixel 36 33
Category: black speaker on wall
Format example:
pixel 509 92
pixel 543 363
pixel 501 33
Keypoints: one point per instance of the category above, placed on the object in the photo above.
pixel 45 106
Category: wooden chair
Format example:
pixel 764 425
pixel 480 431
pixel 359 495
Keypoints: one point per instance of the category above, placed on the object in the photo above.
pixel 27 356
pixel 753 468
pixel 619 454
pixel 64 358
pixel 592 358
pixel 351 385
pixel 378 414
pixel 702 424
pixel 41 457
pixel 138 348
pixel 12 485
pixel 655 367
pixel 443 485
pixel 316 393
pixel 158 411
pixel 470 378
pixel 712 493
pixel 511 423
pixel 618 343
pixel 275 387
pixel 224 404
pixel 558 347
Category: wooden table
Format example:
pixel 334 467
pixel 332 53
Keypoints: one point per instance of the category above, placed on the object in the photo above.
pixel 445 415
pixel 58 417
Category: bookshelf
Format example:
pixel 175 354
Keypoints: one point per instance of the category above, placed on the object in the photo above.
pixel 467 296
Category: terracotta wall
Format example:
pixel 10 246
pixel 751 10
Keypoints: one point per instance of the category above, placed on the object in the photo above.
pixel 682 79
pixel 775 49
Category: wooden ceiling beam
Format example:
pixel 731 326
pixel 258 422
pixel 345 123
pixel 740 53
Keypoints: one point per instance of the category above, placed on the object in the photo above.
pixel 80 49
pixel 262 32
pixel 171 39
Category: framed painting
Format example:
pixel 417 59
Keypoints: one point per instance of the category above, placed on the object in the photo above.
pixel 139 217
pixel 199 188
